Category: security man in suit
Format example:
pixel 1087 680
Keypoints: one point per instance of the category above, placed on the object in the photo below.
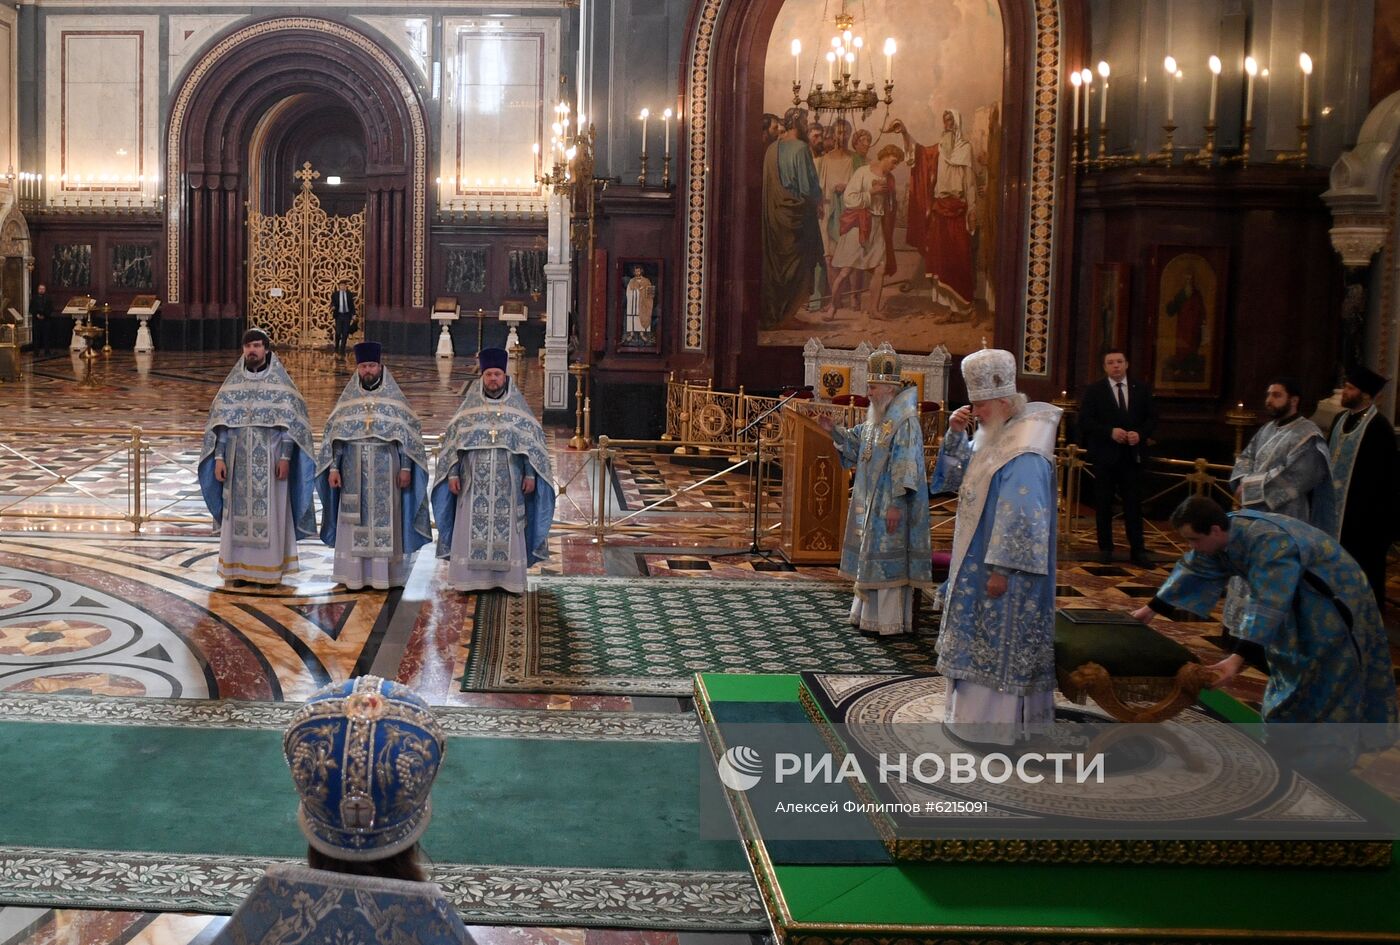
pixel 343 310
pixel 1116 419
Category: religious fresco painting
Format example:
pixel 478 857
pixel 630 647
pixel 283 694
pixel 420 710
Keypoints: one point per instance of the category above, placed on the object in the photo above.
pixel 1188 291
pixel 639 305
pixel 883 225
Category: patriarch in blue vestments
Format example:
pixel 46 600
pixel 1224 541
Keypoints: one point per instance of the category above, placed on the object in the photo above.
pixel 997 641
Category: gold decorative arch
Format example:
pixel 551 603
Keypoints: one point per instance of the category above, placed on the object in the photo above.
pixel 305 253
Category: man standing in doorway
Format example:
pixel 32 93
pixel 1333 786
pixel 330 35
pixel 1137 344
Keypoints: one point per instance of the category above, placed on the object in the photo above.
pixel 343 311
pixel 1116 418
pixel 256 468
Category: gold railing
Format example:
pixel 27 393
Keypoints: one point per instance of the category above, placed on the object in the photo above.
pixel 697 413
pixel 150 477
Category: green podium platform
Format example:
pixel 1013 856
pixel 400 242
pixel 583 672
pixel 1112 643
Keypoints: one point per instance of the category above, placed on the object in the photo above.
pixel 876 902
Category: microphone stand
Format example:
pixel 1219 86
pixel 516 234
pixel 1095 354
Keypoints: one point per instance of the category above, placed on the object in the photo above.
pixel 754 476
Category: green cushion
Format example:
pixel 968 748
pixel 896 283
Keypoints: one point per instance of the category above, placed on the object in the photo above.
pixel 1123 647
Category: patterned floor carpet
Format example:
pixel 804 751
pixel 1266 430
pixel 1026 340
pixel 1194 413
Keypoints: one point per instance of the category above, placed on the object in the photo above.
pixel 614 635
pixel 508 844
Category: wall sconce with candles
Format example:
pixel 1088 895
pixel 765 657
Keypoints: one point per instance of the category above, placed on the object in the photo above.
pixel 1208 155
pixel 1300 157
pixel 666 117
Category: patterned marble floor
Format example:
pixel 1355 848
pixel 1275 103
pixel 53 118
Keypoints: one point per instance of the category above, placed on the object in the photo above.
pixel 89 607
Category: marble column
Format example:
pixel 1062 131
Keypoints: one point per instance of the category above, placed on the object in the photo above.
pixel 558 277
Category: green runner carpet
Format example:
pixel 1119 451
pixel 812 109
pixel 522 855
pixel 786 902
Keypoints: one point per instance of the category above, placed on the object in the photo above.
pixel 647 637
pixel 180 805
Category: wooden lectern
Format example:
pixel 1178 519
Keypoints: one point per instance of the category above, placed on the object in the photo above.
pixel 816 491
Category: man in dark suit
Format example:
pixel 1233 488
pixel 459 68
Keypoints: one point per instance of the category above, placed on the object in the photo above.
pixel 343 310
pixel 46 327
pixel 1116 418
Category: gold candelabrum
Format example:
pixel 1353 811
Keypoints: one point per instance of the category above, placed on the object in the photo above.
pixel 581 439
pixel 89 333
pixel 1241 418
pixel 106 328
pixel 1106 160
pixel 1206 156
pixel 1167 154
pixel 1070 406
pixel 1299 157
pixel 1246 136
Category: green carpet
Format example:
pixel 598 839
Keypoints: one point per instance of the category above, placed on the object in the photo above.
pixel 647 637
pixel 151 804
pixel 976 903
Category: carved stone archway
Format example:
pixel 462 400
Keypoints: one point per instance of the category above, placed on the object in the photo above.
pixel 213 117
pixel 1364 195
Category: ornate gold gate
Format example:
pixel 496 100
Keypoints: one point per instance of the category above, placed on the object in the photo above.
pixel 296 260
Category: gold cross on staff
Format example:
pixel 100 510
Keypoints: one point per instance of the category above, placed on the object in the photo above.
pixel 306 175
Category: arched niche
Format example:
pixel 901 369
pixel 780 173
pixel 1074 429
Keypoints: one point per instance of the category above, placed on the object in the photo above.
pixel 1364 195
pixel 220 103
pixel 722 192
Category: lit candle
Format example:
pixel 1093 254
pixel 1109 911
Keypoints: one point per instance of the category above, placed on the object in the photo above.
pixel 1170 64
pixel 855 54
pixel 1088 76
pixel 1103 100
pixel 830 66
pixel 797 61
pixel 850 65
pixel 1075 80
pixel 666 131
pixel 645 114
pixel 889 59
pixel 1214 85
pixel 1251 69
pixel 1306 64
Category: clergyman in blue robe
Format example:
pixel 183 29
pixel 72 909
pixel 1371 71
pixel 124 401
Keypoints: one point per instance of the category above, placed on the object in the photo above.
pixel 372 476
pixel 1310 608
pixel 493 489
pixel 997 641
pixel 885 550
pixel 256 467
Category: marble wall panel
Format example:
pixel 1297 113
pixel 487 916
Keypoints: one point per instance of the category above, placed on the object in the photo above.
pixel 188 37
pixel 411 36
pixel 102 120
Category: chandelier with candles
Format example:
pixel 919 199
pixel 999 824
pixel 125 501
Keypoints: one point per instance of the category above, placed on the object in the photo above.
pixel 844 91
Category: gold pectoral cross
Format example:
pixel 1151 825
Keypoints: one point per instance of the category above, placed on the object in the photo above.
pixel 493 436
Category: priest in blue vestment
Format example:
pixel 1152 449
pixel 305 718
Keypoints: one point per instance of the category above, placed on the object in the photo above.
pixel 997 642
pixel 885 550
pixel 256 468
pixel 1310 608
pixel 372 477
pixel 363 755
pixel 493 490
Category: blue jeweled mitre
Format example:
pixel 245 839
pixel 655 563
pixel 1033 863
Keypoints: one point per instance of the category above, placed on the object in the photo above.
pixel 363 755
